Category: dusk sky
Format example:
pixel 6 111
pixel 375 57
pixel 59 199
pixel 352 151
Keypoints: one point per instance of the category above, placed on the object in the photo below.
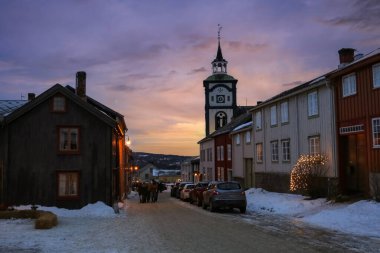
pixel 148 59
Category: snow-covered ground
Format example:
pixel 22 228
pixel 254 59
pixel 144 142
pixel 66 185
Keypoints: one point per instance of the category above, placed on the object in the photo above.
pixel 360 218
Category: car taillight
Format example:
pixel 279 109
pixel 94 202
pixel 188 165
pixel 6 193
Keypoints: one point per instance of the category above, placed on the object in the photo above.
pixel 242 193
pixel 187 190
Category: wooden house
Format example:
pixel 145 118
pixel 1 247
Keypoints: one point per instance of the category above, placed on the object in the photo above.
pixel 298 121
pixel 64 149
pixel 357 98
pixel 242 154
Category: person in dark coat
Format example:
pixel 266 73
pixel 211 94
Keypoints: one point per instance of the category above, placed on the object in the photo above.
pixel 154 190
pixel 144 192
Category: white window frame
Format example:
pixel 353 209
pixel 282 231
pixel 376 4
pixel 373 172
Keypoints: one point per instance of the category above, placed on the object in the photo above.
pixel 376 75
pixel 285 146
pixel 314 145
pixel 349 85
pixel 284 112
pixel 258 120
pixel 237 139
pixel 259 153
pixel 312 104
pixel 222 153
pixel 274 151
pixel 248 137
pixel 376 132
pixel 218 153
pixel 273 115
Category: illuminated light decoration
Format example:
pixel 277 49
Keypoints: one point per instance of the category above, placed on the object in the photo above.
pixel 306 168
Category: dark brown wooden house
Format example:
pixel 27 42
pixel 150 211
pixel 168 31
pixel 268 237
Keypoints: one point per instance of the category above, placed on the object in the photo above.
pixel 64 149
pixel 357 99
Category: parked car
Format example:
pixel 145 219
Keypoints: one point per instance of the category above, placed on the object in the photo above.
pixel 228 194
pixel 196 194
pixel 185 193
pixel 180 188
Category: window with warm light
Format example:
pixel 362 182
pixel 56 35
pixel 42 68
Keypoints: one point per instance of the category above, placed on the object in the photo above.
pixel 68 139
pixel 68 184
pixel 259 152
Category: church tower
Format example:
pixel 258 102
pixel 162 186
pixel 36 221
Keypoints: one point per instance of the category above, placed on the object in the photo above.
pixel 220 94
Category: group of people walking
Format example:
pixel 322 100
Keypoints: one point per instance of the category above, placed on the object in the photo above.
pixel 148 191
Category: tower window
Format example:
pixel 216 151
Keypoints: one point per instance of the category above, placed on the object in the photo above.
pixel 220 120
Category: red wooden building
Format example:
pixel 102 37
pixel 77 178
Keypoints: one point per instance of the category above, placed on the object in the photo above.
pixel 357 96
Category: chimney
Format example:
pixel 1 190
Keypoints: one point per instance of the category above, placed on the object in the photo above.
pixel 346 56
pixel 80 88
pixel 31 96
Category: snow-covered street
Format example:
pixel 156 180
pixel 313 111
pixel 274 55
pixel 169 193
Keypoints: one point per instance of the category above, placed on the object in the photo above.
pixel 274 222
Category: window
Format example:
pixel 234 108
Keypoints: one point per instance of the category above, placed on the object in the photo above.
pixel 274 151
pixel 314 145
pixel 349 85
pixel 68 184
pixel 312 104
pixel 247 137
pixel 220 120
pixel 259 152
pixel 59 104
pixel 218 153
pixel 284 112
pixel 69 139
pixel 376 132
pixel 222 153
pixel 258 120
pixel 229 152
pixel 237 139
pixel 273 115
pixel 285 150
pixel 376 75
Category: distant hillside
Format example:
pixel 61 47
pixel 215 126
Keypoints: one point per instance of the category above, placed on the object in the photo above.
pixel 167 162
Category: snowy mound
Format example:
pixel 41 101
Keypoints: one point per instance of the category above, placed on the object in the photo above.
pixel 259 200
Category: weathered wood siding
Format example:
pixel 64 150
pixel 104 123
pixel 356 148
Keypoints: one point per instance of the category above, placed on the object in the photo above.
pixel 361 107
pixel 33 160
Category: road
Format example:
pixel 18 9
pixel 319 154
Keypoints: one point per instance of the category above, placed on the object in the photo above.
pixel 175 226
pixel 172 225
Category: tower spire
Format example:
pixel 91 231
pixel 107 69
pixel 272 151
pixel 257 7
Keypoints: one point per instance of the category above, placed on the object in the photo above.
pixel 219 65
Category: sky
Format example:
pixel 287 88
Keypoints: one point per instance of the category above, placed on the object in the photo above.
pixel 148 59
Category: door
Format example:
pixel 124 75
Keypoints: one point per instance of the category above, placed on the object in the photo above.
pixel 354 165
pixel 248 175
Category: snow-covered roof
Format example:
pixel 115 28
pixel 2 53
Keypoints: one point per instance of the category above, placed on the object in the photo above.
pixel 8 106
pixel 243 126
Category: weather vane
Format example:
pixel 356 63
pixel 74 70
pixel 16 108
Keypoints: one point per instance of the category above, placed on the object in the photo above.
pixel 219 29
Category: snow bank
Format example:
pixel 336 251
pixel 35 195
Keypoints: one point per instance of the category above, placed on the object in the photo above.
pixel 259 200
pixel 360 218
pixel 98 209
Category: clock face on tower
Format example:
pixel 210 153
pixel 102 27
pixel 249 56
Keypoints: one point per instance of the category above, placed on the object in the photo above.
pixel 220 98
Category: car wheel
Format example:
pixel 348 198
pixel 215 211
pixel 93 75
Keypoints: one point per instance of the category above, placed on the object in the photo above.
pixel 204 206
pixel 212 207
pixel 242 209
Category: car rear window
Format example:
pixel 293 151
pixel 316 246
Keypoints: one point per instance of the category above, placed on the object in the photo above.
pixel 190 186
pixel 229 186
